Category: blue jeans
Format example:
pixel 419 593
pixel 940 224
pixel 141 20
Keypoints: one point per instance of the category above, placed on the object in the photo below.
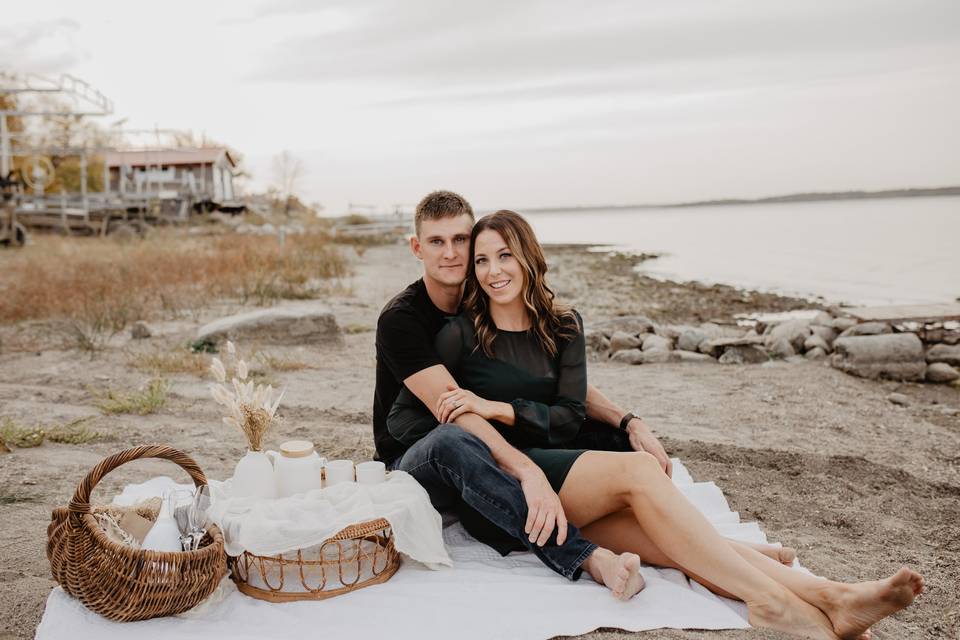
pixel 457 468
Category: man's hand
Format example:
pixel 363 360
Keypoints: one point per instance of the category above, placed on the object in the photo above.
pixel 544 511
pixel 642 439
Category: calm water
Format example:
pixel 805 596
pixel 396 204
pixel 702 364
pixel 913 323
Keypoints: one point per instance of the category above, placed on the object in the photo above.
pixel 893 251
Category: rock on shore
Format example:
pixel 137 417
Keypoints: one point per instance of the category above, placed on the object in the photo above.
pixel 947 354
pixel 295 324
pixel 897 356
pixel 942 372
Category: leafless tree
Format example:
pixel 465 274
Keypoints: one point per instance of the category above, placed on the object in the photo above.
pixel 288 171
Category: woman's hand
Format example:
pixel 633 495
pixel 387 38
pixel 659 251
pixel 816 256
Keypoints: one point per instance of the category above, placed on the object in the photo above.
pixel 456 401
pixel 544 510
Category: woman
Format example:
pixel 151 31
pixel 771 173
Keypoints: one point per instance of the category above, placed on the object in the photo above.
pixel 519 359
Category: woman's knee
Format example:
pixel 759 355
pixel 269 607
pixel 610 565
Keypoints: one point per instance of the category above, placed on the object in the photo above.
pixel 622 473
pixel 639 468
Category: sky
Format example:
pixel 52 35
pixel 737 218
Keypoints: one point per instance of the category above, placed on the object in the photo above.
pixel 526 103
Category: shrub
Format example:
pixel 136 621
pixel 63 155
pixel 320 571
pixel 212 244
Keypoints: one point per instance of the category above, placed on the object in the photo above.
pixel 356 218
pixel 143 401
pixel 166 362
pixel 76 432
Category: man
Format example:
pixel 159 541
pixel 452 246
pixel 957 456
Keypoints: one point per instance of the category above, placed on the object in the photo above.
pixel 469 466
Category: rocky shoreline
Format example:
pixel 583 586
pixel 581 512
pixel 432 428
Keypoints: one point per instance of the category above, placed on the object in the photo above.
pixel 713 323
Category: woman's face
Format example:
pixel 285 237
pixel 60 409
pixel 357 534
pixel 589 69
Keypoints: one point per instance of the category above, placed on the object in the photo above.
pixel 498 271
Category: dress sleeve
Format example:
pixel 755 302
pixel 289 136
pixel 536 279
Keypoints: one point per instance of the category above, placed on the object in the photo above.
pixel 558 423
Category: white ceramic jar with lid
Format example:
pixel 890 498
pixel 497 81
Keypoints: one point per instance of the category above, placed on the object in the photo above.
pixel 297 467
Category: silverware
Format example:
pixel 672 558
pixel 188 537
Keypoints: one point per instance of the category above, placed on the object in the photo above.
pixel 183 503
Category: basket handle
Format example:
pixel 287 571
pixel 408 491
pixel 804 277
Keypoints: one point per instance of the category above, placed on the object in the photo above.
pixel 81 498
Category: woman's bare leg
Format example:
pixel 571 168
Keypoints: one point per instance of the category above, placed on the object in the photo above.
pixel 601 483
pixel 851 608
pixel 620 532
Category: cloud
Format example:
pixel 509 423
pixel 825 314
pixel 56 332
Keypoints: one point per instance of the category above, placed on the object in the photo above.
pixel 44 46
pixel 433 43
pixel 273 9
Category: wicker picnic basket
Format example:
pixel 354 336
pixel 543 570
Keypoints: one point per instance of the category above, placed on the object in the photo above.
pixel 119 582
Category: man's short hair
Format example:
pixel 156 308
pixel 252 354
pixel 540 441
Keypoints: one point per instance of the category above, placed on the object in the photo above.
pixel 441 204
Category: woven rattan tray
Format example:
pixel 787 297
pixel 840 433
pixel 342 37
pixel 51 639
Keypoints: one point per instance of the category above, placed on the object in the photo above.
pixel 359 556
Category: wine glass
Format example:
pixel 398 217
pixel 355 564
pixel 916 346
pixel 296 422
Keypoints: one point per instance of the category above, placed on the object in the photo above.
pixel 197 514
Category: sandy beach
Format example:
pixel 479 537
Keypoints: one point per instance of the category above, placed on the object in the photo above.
pixel 822 460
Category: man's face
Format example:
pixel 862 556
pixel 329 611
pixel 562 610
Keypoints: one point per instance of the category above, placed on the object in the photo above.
pixel 444 247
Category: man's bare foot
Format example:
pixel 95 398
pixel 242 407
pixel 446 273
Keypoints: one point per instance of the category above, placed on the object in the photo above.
pixel 783 555
pixel 854 608
pixel 784 611
pixel 620 573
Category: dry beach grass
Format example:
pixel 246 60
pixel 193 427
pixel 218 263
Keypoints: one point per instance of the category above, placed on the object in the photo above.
pixel 92 288
pixel 820 459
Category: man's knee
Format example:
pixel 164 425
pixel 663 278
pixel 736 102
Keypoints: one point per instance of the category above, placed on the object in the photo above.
pixel 449 440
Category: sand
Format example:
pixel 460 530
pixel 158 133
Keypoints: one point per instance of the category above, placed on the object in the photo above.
pixel 822 460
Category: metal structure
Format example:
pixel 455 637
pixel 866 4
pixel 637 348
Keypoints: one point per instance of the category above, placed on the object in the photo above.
pixel 87 101
pixel 140 197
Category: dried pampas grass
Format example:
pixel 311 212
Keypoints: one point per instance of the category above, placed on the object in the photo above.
pixel 252 408
pixel 255 423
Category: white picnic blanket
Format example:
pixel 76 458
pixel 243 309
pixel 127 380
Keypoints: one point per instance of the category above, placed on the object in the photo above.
pixel 483 596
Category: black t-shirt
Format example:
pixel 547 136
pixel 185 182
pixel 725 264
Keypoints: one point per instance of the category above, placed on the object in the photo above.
pixel 406 330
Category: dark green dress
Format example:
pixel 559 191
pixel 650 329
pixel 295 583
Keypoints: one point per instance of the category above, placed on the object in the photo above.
pixel 548 395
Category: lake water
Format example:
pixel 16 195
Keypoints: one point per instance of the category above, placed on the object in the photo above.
pixel 885 251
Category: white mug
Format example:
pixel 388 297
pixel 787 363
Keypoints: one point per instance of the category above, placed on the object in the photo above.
pixel 373 472
pixel 339 471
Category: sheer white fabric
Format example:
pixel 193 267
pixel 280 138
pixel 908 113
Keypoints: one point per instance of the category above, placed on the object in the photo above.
pixel 269 527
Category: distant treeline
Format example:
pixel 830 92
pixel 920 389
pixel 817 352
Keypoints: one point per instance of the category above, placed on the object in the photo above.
pixel 793 197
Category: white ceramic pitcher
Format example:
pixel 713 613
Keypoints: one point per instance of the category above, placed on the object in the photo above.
pixel 253 476
pixel 296 468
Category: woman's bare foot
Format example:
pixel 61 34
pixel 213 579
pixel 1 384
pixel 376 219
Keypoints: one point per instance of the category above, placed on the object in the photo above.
pixel 620 573
pixel 854 608
pixel 785 612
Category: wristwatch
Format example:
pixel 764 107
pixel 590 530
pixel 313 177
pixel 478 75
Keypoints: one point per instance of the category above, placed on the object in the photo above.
pixel 625 420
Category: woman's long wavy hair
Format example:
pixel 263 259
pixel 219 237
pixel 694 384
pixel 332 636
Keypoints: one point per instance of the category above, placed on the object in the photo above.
pixel 550 321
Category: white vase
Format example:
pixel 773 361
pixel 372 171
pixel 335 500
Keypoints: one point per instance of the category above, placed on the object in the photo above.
pixel 253 477
pixel 164 535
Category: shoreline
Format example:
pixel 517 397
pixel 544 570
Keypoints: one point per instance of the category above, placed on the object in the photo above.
pixel 816 301
pixel 627 291
pixel 812 196
pixel 812 300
